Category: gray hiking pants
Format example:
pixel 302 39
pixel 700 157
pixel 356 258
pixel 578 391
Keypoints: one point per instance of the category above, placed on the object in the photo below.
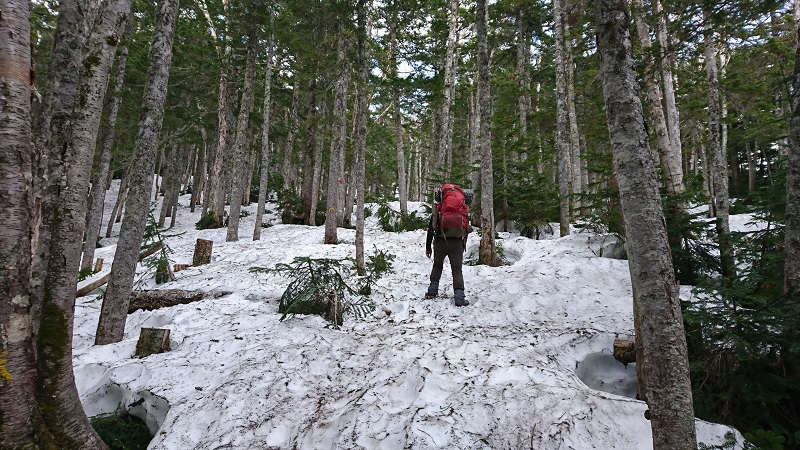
pixel 453 249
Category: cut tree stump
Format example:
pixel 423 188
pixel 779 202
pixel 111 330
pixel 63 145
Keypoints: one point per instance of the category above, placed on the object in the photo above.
pixel 202 252
pixel 179 267
pixel 152 340
pixel 155 299
pixel 625 351
pixel 98 265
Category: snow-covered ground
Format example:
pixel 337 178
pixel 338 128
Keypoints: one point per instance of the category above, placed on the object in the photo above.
pixel 527 365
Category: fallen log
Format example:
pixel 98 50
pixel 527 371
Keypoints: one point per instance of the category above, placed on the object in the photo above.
pixel 164 298
pixel 104 279
pixel 625 351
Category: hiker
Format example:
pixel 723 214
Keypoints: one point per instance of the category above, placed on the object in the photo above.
pixel 448 229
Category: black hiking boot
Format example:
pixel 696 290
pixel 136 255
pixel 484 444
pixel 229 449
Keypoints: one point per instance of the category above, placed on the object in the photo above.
pixel 460 300
pixel 433 290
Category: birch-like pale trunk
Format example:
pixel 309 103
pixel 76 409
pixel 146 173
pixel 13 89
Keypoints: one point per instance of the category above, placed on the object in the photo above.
pixel 487 252
pixel 114 310
pixel 335 177
pixel 667 58
pixel 292 123
pixel 97 196
pixel 241 176
pixel 574 136
pixel 718 160
pixel 217 182
pixel 657 312
pixel 170 181
pixel 792 230
pixel 474 157
pixel 562 139
pixel 523 76
pixel 671 162
pixel 266 145
pixel 446 115
pixel 18 404
pixel 398 125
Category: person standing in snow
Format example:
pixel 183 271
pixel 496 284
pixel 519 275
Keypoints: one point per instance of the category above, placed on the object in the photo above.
pixel 448 229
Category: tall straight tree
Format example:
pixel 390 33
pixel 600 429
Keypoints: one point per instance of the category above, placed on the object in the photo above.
pixel 398 115
pixel 450 60
pixel 360 139
pixel 720 198
pixel 657 313
pixel 792 230
pixel 97 195
pixel 265 142
pixel 562 139
pixel 667 59
pixel 671 163
pixel 114 312
pixel 241 176
pixel 335 175
pixel 487 253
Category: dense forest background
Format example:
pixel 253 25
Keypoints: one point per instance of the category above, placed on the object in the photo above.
pixel 303 101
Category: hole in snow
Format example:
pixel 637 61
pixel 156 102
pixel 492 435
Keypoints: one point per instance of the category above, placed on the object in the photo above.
pixel 109 398
pixel 600 371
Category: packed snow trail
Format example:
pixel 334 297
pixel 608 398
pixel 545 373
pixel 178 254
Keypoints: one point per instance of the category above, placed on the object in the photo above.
pixel 421 374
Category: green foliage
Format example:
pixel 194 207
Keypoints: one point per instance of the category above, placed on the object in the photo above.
pixel 85 273
pixel 159 262
pixel 122 432
pixel 207 221
pixel 743 335
pixel 392 220
pixel 328 287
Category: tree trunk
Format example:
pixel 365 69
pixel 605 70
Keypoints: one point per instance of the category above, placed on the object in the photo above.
pixel 360 138
pixel 523 77
pixel 487 253
pixel 719 162
pixel 116 212
pixel 18 406
pixel 657 313
pixel 263 186
pixel 288 154
pixel 241 176
pixel 562 142
pixel 113 313
pixel 398 125
pixel 667 62
pixel 671 167
pixel 474 131
pixel 574 135
pixel 335 177
pixel 316 162
pixel 170 181
pixel 199 176
pixel 217 181
pixel 792 230
pixel 97 197
pixel 445 146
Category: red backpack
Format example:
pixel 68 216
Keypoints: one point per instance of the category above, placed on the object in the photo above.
pixel 452 211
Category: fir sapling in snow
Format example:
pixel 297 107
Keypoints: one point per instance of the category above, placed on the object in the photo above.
pixel 328 287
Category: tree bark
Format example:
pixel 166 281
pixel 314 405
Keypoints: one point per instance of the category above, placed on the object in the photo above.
pixel 792 230
pixel 562 142
pixel 657 312
pixel 360 138
pixel 263 186
pixel 574 134
pixel 667 58
pixel 335 177
pixel 241 176
pixel 487 252
pixel 398 123
pixel 98 194
pixel 450 63
pixel 719 162
pixel 18 405
pixel 671 167
pixel 111 326
pixel 199 176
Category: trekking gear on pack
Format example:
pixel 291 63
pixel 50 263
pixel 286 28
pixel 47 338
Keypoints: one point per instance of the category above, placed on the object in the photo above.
pixel 452 210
